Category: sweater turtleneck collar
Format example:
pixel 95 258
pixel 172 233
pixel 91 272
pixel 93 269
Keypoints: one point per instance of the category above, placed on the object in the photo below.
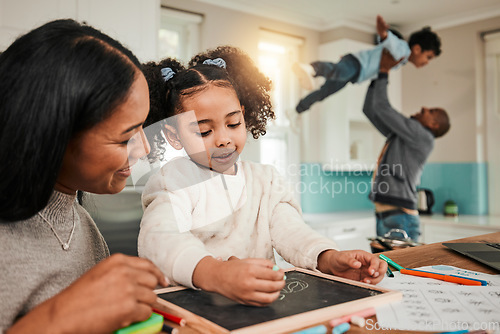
pixel 59 210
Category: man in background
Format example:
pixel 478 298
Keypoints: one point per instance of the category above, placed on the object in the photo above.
pixel 399 167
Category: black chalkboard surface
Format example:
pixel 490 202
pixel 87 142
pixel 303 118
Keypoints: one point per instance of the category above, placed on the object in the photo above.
pixel 304 292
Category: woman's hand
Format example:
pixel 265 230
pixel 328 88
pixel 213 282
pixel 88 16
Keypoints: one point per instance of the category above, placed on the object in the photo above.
pixel 115 293
pixel 354 264
pixel 247 281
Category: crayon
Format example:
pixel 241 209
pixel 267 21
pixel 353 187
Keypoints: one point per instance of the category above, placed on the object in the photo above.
pixel 169 330
pixel 150 326
pixel 276 268
pixel 443 277
pixel 171 317
pixel 358 321
pixel 341 329
pixel 389 261
pixel 321 329
pixel 364 313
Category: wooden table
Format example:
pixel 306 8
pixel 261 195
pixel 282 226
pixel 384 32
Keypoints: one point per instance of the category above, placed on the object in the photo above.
pixel 431 254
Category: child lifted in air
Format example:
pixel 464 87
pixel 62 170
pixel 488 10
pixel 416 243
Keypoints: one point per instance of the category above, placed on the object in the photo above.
pixel 422 46
pixel 211 221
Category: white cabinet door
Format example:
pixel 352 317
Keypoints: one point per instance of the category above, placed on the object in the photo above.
pixel 134 23
pixel 19 16
pixel 351 141
pixel 349 233
pixel 353 234
pixel 432 233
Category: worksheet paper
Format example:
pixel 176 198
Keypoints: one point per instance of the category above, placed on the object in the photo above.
pixel 433 305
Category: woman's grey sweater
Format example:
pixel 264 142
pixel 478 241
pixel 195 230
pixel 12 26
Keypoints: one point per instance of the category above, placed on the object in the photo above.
pixel 33 265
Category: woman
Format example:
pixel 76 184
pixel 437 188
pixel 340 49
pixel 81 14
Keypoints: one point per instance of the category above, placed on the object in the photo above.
pixel 73 102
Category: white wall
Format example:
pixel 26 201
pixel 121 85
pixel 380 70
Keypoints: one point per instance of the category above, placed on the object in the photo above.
pixel 134 23
pixel 229 27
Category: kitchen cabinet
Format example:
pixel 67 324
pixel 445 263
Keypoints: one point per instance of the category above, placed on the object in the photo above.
pixel 439 228
pixel 118 218
pixel 349 230
pixel 134 23
pixel 350 140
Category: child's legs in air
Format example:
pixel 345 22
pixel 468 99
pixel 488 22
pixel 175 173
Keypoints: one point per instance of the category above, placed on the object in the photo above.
pixel 337 76
pixel 347 69
pixel 328 88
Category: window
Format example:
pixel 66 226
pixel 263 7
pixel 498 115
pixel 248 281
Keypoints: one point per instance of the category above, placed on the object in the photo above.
pixel 179 32
pixel 281 145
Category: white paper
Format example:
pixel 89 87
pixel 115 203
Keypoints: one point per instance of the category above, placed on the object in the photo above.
pixel 434 305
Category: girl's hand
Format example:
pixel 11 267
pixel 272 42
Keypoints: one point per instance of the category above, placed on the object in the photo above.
pixel 115 293
pixel 247 281
pixel 354 264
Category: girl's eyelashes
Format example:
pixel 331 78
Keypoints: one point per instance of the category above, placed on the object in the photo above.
pixel 234 125
pixel 206 133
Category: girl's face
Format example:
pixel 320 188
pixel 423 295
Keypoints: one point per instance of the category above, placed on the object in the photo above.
pixel 99 159
pixel 211 129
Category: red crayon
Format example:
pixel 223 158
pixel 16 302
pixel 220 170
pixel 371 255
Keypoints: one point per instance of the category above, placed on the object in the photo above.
pixel 364 313
pixel 171 317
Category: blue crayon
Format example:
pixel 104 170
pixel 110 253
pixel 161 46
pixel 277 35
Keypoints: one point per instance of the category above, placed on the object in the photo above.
pixel 321 329
pixel 276 268
pixel 342 328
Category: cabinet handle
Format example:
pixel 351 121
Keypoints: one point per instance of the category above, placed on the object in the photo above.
pixel 352 229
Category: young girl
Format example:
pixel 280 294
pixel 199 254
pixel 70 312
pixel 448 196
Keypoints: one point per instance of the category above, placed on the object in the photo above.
pixel 210 106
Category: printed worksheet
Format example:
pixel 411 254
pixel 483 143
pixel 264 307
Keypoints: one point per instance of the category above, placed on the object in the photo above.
pixel 434 305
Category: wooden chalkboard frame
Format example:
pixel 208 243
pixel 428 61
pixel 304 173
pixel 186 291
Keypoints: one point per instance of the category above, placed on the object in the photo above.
pixel 289 323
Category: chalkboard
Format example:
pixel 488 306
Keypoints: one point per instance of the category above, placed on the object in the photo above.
pixel 305 293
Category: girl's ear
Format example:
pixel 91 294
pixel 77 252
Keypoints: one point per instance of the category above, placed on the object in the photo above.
pixel 172 136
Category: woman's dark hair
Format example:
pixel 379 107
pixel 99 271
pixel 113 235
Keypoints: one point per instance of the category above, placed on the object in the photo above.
pixel 56 81
pixel 251 86
pixel 427 39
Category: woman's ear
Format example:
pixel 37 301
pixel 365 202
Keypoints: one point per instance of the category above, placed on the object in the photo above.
pixel 172 136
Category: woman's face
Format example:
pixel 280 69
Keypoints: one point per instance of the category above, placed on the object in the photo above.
pixel 99 159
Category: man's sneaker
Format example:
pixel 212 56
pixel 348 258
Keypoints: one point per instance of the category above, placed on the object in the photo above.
pixel 305 74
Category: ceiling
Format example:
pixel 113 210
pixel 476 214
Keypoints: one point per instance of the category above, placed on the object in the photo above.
pixel 406 15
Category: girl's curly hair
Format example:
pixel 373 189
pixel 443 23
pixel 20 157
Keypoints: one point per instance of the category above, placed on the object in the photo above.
pixel 158 112
pixel 251 86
